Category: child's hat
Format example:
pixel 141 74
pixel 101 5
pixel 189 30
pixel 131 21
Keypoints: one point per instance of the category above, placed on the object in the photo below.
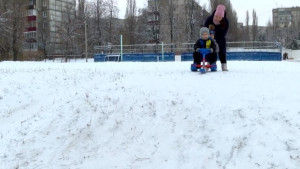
pixel 203 30
pixel 220 11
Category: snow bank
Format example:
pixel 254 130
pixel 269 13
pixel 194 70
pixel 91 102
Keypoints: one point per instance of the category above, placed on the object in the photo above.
pixel 149 115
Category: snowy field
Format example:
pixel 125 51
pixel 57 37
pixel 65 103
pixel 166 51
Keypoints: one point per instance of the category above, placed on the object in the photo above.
pixel 149 116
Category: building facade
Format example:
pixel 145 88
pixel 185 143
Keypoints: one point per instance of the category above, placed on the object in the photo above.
pixel 44 19
pixel 287 22
pixel 153 21
pixel 286 17
pixel 30 33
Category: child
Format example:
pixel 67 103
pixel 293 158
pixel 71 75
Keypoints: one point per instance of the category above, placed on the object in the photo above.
pixel 205 42
pixel 212 35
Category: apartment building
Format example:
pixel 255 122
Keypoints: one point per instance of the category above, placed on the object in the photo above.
pixel 44 18
pixel 286 17
pixel 288 21
pixel 153 21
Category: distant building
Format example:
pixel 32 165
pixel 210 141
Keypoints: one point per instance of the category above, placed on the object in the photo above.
pixel 153 21
pixel 286 17
pixel 44 17
pixel 240 25
pixel 287 21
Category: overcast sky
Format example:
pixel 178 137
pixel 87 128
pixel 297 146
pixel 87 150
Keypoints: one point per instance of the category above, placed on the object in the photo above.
pixel 263 8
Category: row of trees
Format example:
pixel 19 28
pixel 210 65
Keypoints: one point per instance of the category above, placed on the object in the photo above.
pixel 97 22
pixel 11 28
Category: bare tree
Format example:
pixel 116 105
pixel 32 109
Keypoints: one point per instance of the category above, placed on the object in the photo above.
pixel 194 17
pixel 98 19
pixel 130 23
pixel 171 7
pixel 247 31
pixel 112 11
pixel 142 36
pixel 68 32
pixel 80 21
pixel 5 32
pixel 270 32
pixel 81 9
pixel 18 24
pixel 254 26
pixel 169 21
pixel 291 37
pixel 190 6
pixel 43 42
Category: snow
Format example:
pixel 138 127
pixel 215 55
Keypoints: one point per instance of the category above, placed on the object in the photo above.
pixel 149 116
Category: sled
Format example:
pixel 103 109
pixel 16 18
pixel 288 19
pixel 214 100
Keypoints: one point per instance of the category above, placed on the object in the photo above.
pixel 203 68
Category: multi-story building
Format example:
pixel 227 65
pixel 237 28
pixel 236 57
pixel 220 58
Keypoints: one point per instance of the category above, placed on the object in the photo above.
pixel 30 34
pixel 286 17
pixel 153 21
pixel 44 19
pixel 287 21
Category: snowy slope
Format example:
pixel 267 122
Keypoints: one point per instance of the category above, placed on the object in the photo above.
pixel 149 116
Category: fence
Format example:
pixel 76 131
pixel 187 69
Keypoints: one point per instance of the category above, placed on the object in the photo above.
pixel 138 52
pixel 137 48
pixel 67 58
pixel 166 52
pixel 253 50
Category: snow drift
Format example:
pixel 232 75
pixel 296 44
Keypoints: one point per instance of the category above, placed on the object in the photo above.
pixel 149 115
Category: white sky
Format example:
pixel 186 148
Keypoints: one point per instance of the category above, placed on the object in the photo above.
pixel 263 8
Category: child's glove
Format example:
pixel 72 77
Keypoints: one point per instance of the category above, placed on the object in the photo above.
pixel 211 50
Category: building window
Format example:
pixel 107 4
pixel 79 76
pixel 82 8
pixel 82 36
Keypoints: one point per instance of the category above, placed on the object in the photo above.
pixel 32 24
pixel 45 25
pixel 44 14
pixel 31 2
pixel 44 3
pixel 31 12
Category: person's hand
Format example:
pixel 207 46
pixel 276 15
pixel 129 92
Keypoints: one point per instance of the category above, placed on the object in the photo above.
pixel 198 50
pixel 211 50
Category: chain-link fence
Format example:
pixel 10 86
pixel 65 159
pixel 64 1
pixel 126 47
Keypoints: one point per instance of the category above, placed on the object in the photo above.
pixel 137 48
pixel 254 46
pixel 250 46
pixel 254 50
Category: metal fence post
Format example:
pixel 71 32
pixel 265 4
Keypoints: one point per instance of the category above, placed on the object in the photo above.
pixel 162 51
pixel 121 47
pixel 86 45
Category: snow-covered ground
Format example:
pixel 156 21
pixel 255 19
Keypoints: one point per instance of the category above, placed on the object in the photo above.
pixel 149 116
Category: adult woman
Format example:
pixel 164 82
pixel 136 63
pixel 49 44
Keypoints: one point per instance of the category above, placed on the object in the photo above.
pixel 221 24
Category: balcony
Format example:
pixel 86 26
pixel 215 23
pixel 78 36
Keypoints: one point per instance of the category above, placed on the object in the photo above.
pixel 31 7
pixel 30 29
pixel 153 13
pixel 30 40
pixel 31 18
pixel 153 22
